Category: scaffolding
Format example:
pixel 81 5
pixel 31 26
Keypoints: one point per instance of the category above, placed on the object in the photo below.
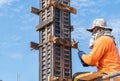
pixel 54 39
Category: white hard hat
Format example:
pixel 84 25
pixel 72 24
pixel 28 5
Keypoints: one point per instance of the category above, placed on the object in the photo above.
pixel 99 23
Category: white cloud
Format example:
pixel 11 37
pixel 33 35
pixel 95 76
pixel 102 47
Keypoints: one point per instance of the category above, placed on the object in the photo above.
pixel 86 7
pixel 18 8
pixel 16 56
pixel 80 33
pixel 82 3
pixel 28 18
pixel 114 24
pixel 6 2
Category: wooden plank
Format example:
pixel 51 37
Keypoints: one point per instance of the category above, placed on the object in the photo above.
pixel 72 28
pixel 34 45
pixel 62 41
pixel 34 10
pixel 40 45
pixel 54 78
pixel 89 76
pixel 63 7
pixel 37 11
pixel 44 24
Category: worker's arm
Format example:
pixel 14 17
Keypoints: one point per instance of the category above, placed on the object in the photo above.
pixel 80 53
pixel 97 52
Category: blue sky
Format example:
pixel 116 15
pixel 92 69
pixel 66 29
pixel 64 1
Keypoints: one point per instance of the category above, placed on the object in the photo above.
pixel 18 29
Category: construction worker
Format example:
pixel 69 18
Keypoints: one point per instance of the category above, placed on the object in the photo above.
pixel 104 53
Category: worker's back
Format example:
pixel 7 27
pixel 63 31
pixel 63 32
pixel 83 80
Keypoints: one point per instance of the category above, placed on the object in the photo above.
pixel 110 61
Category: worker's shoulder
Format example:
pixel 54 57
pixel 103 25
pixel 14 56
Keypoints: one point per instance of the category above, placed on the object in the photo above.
pixel 105 38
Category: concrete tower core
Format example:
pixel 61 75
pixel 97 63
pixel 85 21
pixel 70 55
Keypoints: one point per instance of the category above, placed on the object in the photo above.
pixel 54 39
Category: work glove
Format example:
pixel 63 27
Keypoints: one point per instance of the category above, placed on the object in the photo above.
pixel 80 53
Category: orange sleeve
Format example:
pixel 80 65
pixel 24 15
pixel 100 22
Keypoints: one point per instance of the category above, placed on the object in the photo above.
pixel 96 53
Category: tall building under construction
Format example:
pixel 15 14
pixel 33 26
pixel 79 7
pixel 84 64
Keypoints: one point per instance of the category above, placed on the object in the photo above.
pixel 54 39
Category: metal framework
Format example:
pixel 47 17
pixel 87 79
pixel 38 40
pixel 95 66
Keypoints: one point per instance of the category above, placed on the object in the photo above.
pixel 54 40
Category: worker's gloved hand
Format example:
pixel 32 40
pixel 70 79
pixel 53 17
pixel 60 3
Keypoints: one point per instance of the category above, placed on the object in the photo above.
pixel 80 53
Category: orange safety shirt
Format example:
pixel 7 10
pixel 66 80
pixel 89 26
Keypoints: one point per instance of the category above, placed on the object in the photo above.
pixel 104 55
